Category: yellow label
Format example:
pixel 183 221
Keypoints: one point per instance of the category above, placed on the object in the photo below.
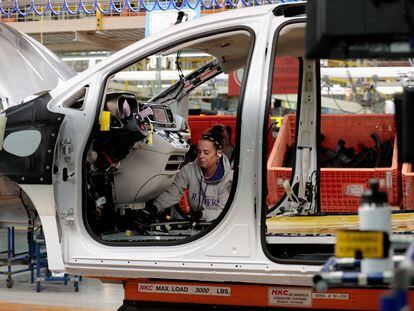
pixel 367 244
pixel 105 121
pixel 277 120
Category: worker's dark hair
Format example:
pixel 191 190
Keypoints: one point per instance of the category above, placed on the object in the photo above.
pixel 215 134
pixel 229 130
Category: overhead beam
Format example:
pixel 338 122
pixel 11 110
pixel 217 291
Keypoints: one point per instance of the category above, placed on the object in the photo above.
pixel 84 30
pixel 81 24
pixel 72 47
pixel 93 38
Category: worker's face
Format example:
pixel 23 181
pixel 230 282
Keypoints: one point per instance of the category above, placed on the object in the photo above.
pixel 207 154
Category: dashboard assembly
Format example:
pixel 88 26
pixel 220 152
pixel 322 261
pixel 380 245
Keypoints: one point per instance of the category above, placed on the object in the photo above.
pixel 133 162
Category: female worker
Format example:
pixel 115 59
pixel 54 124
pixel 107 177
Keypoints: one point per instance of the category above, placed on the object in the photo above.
pixel 208 180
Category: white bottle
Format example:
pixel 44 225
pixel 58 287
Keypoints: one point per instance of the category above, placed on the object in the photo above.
pixel 375 215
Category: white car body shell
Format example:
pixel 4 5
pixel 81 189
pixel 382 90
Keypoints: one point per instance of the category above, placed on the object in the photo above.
pixel 234 250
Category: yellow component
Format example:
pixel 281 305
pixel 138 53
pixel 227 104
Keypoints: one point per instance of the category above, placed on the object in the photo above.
pixel 168 217
pixel 128 233
pixel 99 20
pixel 363 244
pixel 105 121
pixel 150 134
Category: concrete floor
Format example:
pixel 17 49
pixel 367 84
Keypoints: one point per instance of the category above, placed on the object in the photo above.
pixel 93 294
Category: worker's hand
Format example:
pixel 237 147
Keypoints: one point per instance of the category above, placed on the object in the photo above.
pixel 190 216
pixel 142 219
pixel 195 215
pixel 147 215
pixel 135 220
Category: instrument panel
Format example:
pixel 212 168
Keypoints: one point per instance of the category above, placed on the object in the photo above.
pixel 125 107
